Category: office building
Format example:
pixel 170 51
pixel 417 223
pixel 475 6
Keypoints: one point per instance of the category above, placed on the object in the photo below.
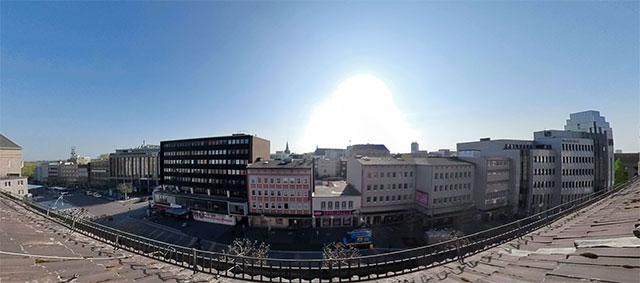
pixel 335 204
pixel 99 176
pixel 592 122
pixel 518 151
pixel 280 193
pixel 208 175
pixel 444 187
pixel 491 184
pixel 577 165
pixel 11 180
pixel 138 166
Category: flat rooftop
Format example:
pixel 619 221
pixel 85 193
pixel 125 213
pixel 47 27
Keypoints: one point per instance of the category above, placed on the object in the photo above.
pixel 334 189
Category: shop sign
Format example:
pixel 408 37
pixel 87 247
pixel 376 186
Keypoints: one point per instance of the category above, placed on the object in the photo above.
pixel 214 218
pixel 334 212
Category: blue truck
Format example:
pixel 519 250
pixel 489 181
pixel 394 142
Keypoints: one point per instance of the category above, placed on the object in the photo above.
pixel 359 238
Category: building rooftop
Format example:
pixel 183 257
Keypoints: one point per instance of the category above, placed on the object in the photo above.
pixel 334 189
pixel 273 164
pixel 595 243
pixel 412 161
pixel 6 143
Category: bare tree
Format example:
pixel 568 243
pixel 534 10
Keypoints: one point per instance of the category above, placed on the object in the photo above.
pixel 339 254
pixel 246 248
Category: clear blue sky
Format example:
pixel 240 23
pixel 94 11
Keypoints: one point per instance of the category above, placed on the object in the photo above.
pixel 106 75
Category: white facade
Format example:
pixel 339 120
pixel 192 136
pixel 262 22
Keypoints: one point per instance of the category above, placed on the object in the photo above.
pixel 444 186
pixel 335 205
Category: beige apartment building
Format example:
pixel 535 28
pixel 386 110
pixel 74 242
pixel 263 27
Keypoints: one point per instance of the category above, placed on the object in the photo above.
pixel 11 179
pixel 386 185
pixel 279 193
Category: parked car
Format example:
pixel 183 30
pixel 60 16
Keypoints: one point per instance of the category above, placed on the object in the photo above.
pixel 97 195
pixel 89 193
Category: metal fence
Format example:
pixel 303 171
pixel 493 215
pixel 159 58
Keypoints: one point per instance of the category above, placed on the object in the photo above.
pixel 316 270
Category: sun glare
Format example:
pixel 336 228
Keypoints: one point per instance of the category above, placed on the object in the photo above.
pixel 361 110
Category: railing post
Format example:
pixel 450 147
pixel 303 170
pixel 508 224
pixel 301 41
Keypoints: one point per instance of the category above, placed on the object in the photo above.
pixel 195 260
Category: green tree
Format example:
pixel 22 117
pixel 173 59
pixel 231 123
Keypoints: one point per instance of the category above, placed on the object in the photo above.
pixel 620 176
pixel 27 168
pixel 125 188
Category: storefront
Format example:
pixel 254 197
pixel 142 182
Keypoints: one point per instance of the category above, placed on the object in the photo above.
pixel 342 218
pixel 335 204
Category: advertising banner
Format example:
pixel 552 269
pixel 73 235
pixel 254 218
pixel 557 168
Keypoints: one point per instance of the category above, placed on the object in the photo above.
pixel 422 197
pixel 214 218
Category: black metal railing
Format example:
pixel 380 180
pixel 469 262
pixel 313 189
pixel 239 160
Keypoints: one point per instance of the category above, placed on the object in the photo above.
pixel 322 270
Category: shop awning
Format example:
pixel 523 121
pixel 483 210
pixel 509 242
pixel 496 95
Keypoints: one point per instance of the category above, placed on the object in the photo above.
pixel 177 211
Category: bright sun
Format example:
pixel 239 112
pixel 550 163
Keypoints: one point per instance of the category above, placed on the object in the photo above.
pixel 361 110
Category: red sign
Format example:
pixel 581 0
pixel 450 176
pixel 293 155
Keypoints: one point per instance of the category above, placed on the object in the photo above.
pixel 422 197
pixel 338 212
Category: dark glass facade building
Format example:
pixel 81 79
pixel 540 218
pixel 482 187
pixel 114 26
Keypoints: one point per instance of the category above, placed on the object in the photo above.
pixel 209 174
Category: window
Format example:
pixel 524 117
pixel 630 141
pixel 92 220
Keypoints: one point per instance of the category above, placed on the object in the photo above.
pixel 375 199
pixel 350 204
pixel 368 187
pixel 331 205
pixel 344 204
pixel 387 198
pixel 368 199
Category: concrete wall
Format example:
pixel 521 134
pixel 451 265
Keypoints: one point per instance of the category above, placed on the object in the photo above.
pixel 260 148
pixel 10 162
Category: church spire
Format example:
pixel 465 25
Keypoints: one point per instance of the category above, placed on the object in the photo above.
pixel 286 150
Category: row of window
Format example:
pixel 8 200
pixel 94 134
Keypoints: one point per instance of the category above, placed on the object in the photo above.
pixel 451 199
pixel 207 152
pixel 539 200
pixel 390 174
pixel 542 171
pixel 389 198
pixel 544 184
pixel 577 184
pixel 204 180
pixel 207 161
pixel 203 143
pixel 278 193
pixel 452 175
pixel 497 163
pixel 279 205
pixel 577 159
pixel 577 147
pixel 206 171
pixel 336 205
pixel 278 180
pixel 568 198
pixel 577 172
pixel 452 187
pixel 518 146
pixel 390 186
pixel 544 159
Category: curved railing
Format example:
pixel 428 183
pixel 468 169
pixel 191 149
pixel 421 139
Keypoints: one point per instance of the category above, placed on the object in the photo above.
pixel 323 270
